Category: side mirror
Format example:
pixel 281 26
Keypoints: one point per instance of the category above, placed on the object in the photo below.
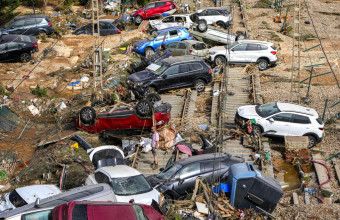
pixel 164 76
pixel 161 169
pixel 271 120
pixel 233 49
pixel 37 203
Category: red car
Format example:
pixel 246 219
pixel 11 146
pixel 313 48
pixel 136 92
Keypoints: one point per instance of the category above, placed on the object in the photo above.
pixel 153 10
pixel 137 118
pixel 90 210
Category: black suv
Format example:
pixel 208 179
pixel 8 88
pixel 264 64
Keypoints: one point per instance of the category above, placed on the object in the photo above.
pixel 20 47
pixel 179 179
pixel 171 73
pixel 28 25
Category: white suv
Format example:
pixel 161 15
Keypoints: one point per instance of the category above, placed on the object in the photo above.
pixel 182 20
pixel 221 16
pixel 283 119
pixel 245 51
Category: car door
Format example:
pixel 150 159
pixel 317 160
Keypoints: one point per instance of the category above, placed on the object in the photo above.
pixel 160 8
pixel 203 15
pixel 170 78
pixel 149 10
pixel 300 125
pixel 3 52
pixel 238 54
pixel 17 27
pixel 173 36
pixel 173 48
pixel 253 52
pixel 211 170
pixel 104 29
pixel 182 49
pixel 13 50
pixel 186 178
pixel 30 26
pixel 160 38
pixel 195 72
pixel 212 16
pixel 281 124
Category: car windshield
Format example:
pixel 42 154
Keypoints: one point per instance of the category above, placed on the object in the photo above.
pixel 231 45
pixel 151 38
pixel 162 67
pixel 267 109
pixel 16 199
pixel 169 172
pixel 130 185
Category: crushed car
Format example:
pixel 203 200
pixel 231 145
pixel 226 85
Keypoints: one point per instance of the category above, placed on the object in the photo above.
pixel 106 28
pixel 178 20
pixel 17 47
pixel 188 47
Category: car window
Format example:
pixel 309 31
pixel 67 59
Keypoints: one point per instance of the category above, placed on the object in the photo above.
pixel 168 172
pixel 43 215
pixel 30 21
pixel 3 47
pixel 169 19
pixel 101 178
pixel 150 6
pixel 180 19
pixel 263 47
pixel 16 199
pixel 301 119
pixel 253 47
pixel 160 37
pixel 139 212
pixel 319 120
pixel 160 4
pixel 199 46
pixel 195 66
pixel 182 46
pixel 212 13
pixel 241 47
pixel 12 46
pixel 285 117
pixel 39 20
pixel 172 45
pixel 79 212
pixel 173 33
pixel 268 109
pixel 211 165
pixel 190 170
pixel 103 26
pixel 20 23
pixel 183 68
pixel 226 12
pixel 172 70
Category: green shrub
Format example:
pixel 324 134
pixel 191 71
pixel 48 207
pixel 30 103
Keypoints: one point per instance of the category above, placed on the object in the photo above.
pixel 39 92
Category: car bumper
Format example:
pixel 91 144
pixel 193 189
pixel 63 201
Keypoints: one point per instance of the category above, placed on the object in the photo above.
pixel 137 50
pixel 319 139
pixel 273 63
pixel 137 91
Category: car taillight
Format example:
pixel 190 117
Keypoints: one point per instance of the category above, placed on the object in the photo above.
pixel 321 129
pixel 273 52
pixel 210 71
pixel 190 51
pixel 35 45
pixel 118 31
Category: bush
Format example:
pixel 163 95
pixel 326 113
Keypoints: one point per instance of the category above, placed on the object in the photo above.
pixel 263 4
pixel 39 92
pixel 3 90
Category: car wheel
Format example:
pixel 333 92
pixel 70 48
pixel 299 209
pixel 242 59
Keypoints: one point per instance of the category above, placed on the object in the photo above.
pixel 263 64
pixel 41 32
pixel 98 103
pixel 257 129
pixel 199 85
pixel 202 26
pixel 220 60
pixel 149 52
pixel 153 97
pixel 311 141
pixel 221 24
pixel 139 19
pixel 240 37
pixel 144 108
pixel 149 90
pixel 87 115
pixel 25 57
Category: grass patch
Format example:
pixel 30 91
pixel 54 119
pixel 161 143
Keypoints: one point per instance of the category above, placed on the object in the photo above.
pixel 39 91
pixel 275 37
pixel 266 25
pixel 3 90
pixel 263 4
pixel 264 14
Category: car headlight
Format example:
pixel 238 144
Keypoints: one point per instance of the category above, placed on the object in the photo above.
pixel 137 47
pixel 128 81
pixel 212 52
pixel 139 84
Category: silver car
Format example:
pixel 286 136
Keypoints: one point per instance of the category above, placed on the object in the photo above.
pixel 188 47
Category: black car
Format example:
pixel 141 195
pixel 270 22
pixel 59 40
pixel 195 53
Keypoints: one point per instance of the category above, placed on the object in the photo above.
pixel 105 27
pixel 20 47
pixel 28 25
pixel 179 179
pixel 171 73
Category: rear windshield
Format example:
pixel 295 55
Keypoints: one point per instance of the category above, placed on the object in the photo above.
pixel 16 199
pixel 79 212
pixel 319 120
pixel 274 48
pixel 199 46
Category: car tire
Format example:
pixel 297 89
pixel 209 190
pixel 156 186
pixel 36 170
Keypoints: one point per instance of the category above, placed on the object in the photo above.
pixel 202 26
pixel 257 129
pixel 25 57
pixel 149 52
pixel 41 32
pixel 221 24
pixel 199 85
pixel 311 141
pixel 144 108
pixel 240 37
pixel 98 103
pixel 263 64
pixel 149 90
pixel 220 60
pixel 153 97
pixel 138 19
pixel 87 115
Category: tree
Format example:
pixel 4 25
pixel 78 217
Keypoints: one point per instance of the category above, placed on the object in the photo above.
pixel 6 10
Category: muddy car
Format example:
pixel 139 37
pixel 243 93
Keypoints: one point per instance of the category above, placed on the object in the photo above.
pixel 179 179
pixel 188 47
pixel 125 119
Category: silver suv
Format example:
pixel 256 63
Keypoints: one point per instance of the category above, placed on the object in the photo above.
pixel 283 119
pixel 245 51
pixel 221 16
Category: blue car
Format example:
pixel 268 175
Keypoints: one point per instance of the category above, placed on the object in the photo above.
pixel 148 46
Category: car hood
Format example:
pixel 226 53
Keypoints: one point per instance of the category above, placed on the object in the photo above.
pixel 248 111
pixel 137 12
pixel 141 42
pixel 141 76
pixel 144 198
pixel 6 204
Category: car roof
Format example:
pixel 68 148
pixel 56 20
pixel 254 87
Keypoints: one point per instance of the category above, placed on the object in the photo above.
pixel 192 41
pixel 292 107
pixel 178 59
pixel 30 16
pixel 31 193
pixel 170 29
pixel 120 171
pixel 215 8
pixel 256 41
pixel 202 157
pixel 17 38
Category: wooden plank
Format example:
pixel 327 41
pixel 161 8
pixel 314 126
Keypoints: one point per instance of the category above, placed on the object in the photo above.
pixel 321 172
pixel 337 169
pixel 295 199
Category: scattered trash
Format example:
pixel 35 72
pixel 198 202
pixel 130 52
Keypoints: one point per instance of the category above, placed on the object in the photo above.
pixel 33 110
pixel 203 126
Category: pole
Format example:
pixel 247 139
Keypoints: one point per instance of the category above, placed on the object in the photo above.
pixel 310 80
pixel 324 110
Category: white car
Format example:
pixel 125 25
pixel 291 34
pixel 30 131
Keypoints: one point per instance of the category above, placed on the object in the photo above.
pixel 127 184
pixel 283 119
pixel 221 16
pixel 181 20
pixel 245 51
pixel 28 194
